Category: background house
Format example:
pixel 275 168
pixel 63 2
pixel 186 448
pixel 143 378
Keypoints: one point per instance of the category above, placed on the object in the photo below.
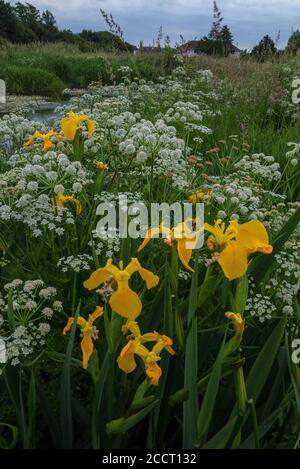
pixel 198 48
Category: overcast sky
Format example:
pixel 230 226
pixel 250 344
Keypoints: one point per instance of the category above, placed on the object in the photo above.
pixel 249 20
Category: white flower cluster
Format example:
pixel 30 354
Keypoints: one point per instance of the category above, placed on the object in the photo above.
pixel 27 307
pixel 53 172
pixel 205 76
pixel 157 145
pixel 260 167
pixel 26 192
pixel 240 198
pixel 288 271
pixel 294 154
pixel 106 244
pixel 260 306
pixel 183 112
pixel 13 130
pixel 282 288
pixel 279 214
pixel 75 263
pixel 37 214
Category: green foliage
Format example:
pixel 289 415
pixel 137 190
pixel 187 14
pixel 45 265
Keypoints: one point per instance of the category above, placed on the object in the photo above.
pixel 31 80
pixel 265 49
pixel 37 69
pixel 293 44
pixel 220 39
pixel 221 389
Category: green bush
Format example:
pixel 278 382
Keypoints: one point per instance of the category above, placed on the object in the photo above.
pixel 30 80
pixel 47 69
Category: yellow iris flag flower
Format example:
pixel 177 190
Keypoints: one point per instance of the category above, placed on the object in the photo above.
pixel 126 360
pixel 235 243
pixel 71 123
pixel 185 239
pixel 200 196
pixel 102 167
pixel 238 322
pixel 123 301
pixel 46 138
pixel 60 200
pixel 88 332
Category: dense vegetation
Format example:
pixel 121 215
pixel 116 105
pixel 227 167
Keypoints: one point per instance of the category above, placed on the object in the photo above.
pixel 219 131
pixel 46 69
pixel 76 366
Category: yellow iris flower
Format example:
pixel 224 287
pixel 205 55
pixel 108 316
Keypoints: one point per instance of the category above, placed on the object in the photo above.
pixel 71 123
pixel 102 167
pixel 123 301
pixel 235 243
pixel 88 332
pixel 60 200
pixel 200 196
pixel 126 360
pixel 238 322
pixel 186 240
pixel 46 138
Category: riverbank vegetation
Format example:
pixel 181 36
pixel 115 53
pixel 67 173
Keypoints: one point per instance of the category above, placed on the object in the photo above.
pixel 112 342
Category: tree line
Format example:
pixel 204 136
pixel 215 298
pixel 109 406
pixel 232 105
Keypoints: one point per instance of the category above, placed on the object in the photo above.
pixel 23 23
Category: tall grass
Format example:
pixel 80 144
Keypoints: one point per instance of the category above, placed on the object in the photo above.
pixel 46 69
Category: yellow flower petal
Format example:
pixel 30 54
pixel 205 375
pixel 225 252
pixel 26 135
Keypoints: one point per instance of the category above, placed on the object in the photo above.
pixel 126 302
pixel 77 205
pixel 153 371
pixel 149 235
pixel 81 322
pixel 96 278
pixel 238 322
pixel 233 261
pixel 126 361
pixel 184 254
pixel 69 127
pixel 87 348
pixel 68 326
pixel 91 127
pixel 99 311
pixel 253 237
pixel 47 145
pixel 151 279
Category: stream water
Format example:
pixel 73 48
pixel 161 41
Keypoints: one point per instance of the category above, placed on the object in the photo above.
pixel 46 115
pixel 44 110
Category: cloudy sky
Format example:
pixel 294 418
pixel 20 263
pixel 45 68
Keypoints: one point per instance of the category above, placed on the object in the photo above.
pixel 140 19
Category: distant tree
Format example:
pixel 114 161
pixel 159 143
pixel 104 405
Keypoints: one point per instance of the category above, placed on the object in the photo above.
pixel 219 40
pixel 31 21
pixel 66 35
pixel 49 23
pixel 226 40
pixel 216 29
pixel 293 45
pixel 265 49
pixel 10 26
